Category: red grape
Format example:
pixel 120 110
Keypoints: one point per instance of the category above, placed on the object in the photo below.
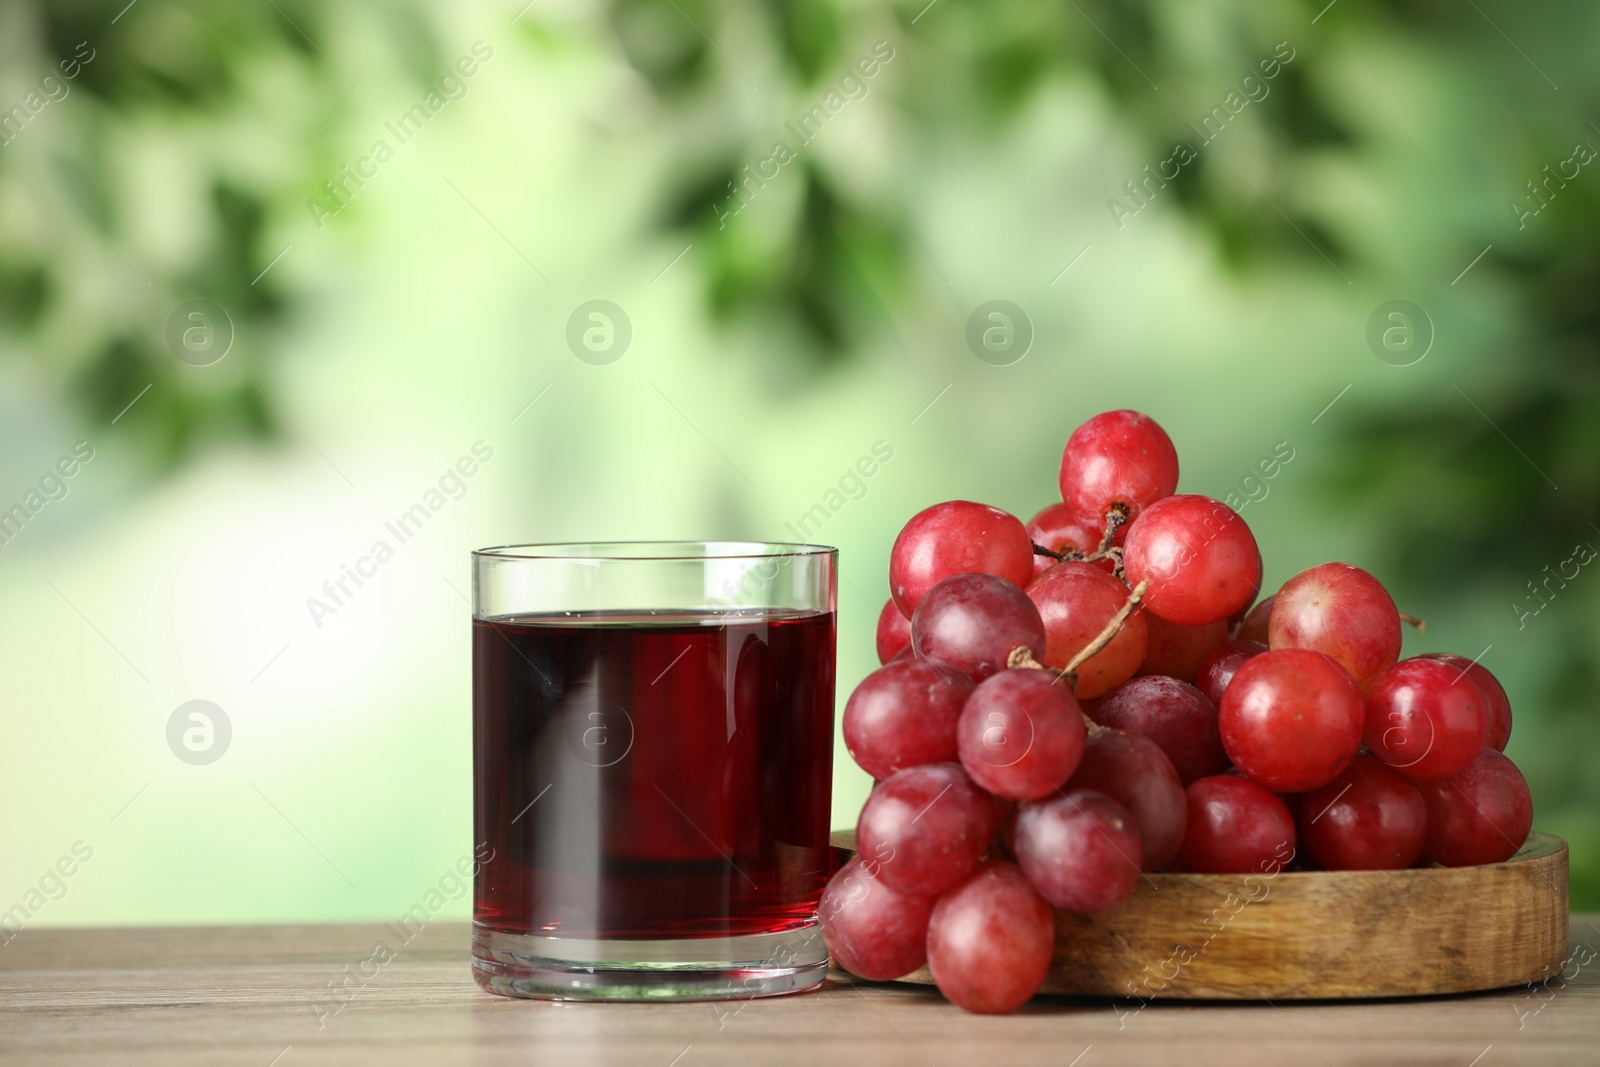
pixel 1369 818
pixel 1254 626
pixel 1496 706
pixel 1057 528
pixel 973 622
pixel 1075 602
pixel 1178 651
pixel 990 940
pixel 894 631
pixel 1021 734
pixel 1133 771
pixel 1425 717
pixel 957 537
pixel 1173 714
pixel 1481 815
pixel 1080 850
pixel 1341 611
pixel 1118 459
pixel 1219 668
pixel 1198 556
pixel 873 931
pixel 926 826
pixel 1244 609
pixel 1210 754
pixel 1235 827
pixel 903 715
pixel 1291 719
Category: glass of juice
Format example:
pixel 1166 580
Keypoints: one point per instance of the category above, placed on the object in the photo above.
pixel 652 729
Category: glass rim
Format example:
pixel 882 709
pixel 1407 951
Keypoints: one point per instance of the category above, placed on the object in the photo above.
pixel 654 551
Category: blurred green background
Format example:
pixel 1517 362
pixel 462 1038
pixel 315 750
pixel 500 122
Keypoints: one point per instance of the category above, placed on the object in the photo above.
pixel 384 310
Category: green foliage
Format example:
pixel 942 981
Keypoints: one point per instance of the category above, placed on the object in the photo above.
pixel 137 196
pixel 1467 513
pixel 88 303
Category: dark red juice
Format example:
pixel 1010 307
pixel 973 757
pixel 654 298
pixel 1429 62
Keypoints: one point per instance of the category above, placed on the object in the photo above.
pixel 652 775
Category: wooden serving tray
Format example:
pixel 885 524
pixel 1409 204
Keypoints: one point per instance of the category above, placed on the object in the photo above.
pixel 1300 935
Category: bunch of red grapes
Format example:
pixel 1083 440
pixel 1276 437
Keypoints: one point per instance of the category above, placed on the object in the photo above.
pixel 1068 703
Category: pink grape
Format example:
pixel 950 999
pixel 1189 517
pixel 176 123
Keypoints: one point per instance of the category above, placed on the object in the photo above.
pixel 1133 771
pixel 904 714
pixel 894 632
pixel 926 826
pixel 1370 818
pixel 1254 626
pixel 1219 668
pixel 1178 651
pixel 1058 528
pixel 957 537
pixel 990 940
pixel 1235 827
pixel 1118 459
pixel 1021 734
pixel 1199 558
pixel 1291 719
pixel 873 931
pixel 1343 612
pixel 973 622
pixel 1496 705
pixel 1080 850
pixel 1425 717
pixel 1075 601
pixel 1244 609
pixel 1481 815
pixel 1173 714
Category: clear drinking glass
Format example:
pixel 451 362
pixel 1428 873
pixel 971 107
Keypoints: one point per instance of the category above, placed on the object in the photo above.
pixel 653 763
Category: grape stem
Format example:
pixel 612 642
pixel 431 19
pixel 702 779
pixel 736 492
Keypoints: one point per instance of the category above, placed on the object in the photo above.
pixel 1116 516
pixel 1412 620
pixel 1059 557
pixel 1114 554
pixel 1112 628
pixel 1022 655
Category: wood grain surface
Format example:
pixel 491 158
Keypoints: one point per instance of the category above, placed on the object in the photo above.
pixel 254 997
pixel 1320 934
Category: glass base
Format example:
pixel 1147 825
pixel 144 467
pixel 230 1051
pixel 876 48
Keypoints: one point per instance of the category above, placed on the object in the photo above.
pixel 700 968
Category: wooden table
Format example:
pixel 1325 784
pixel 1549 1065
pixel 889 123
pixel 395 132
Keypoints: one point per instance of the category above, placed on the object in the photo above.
pixel 259 996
